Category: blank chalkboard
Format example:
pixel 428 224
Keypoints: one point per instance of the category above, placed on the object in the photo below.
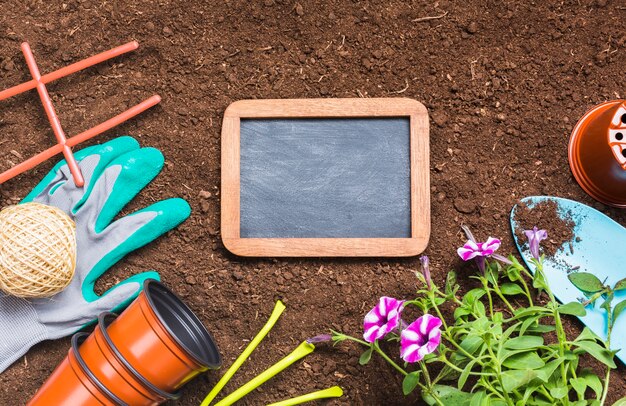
pixel 325 177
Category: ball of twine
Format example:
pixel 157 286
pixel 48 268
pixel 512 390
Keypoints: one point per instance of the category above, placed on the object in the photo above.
pixel 37 250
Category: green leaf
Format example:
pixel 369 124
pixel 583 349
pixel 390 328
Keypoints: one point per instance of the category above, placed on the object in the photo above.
pixel 530 389
pixel 620 402
pixel 585 281
pixel 525 360
pixel 511 289
pixel 598 352
pixel 461 311
pixel 620 285
pixel 492 274
pixel 541 329
pixel 547 371
pixel 580 385
pixel 479 308
pixel 607 302
pixel 410 382
pixel 366 356
pixel 473 295
pixel 472 343
pixel 587 335
pixel 619 308
pixel 448 395
pixel 512 380
pixel 478 398
pixel 524 342
pixel 539 282
pixel 559 392
pixel 594 382
pixel 466 372
pixel 530 311
pixel 573 308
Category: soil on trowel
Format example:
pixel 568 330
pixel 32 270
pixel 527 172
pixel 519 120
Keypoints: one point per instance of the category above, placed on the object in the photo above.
pixel 545 215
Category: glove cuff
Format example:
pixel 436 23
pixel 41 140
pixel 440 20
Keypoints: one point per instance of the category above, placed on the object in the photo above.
pixel 20 329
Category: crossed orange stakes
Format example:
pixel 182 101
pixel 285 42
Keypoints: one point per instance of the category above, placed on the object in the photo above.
pixel 65 144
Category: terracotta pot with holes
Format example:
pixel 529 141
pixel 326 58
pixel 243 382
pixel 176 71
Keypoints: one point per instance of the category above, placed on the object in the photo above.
pixel 73 384
pixel 163 339
pixel 597 152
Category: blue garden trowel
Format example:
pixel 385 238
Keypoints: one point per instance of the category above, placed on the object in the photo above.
pixel 598 248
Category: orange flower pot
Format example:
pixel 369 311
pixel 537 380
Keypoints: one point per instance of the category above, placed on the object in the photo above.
pixel 597 152
pixel 115 373
pixel 163 339
pixel 72 384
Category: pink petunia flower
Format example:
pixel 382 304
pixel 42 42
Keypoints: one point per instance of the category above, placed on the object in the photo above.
pixel 535 236
pixel 478 251
pixel 473 249
pixel 420 338
pixel 382 319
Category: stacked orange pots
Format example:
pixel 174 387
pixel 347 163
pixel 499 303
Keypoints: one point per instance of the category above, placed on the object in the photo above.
pixel 140 358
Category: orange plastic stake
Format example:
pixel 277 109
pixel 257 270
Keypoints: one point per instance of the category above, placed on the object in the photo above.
pixel 64 144
pixel 52 115
pixel 68 70
pixel 30 163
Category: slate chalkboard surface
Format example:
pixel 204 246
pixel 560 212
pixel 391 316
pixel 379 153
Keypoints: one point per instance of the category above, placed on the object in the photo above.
pixel 325 177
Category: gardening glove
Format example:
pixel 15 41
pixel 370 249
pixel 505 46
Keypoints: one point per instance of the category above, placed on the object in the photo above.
pixel 114 174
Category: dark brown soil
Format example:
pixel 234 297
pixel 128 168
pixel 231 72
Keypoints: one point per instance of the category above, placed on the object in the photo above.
pixel 504 82
pixel 544 215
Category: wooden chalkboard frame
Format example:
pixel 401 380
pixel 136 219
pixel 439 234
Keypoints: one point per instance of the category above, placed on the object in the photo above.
pixel 326 247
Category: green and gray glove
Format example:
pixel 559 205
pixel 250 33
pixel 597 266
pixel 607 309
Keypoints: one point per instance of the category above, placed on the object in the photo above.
pixel 114 174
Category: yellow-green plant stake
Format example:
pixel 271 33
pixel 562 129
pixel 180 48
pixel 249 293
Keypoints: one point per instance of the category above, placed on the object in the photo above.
pixel 334 392
pixel 278 310
pixel 300 352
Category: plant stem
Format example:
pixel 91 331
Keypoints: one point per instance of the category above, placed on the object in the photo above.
pixel 443 320
pixel 501 296
pixel 608 347
pixel 528 295
pixel 389 360
pixel 449 338
pixel 496 363
pixel 488 385
pixel 488 290
pixel 560 331
pixel 429 384
pixel 451 365
pixel 380 352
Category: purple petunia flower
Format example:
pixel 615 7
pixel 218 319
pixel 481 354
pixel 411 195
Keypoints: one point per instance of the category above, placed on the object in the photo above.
pixel 535 236
pixel 478 250
pixel 321 338
pixel 382 319
pixel 420 338
pixel 426 271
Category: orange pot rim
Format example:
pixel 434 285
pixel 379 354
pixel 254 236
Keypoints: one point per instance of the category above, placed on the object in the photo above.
pixel 74 352
pixel 574 163
pixel 102 326
pixel 212 358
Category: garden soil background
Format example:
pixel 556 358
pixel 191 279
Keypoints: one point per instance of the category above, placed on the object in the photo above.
pixel 504 83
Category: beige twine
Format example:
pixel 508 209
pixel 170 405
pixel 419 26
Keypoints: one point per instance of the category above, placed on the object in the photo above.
pixel 37 250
